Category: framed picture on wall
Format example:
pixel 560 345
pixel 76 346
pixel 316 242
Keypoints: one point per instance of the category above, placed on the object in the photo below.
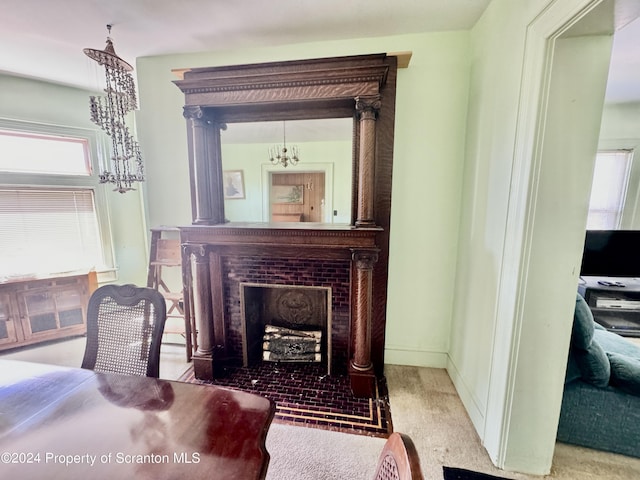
pixel 287 194
pixel 233 184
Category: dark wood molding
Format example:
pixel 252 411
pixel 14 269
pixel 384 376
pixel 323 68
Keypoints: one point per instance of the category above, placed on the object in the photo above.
pixel 313 82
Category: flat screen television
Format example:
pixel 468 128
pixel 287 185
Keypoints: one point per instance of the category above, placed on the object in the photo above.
pixel 611 253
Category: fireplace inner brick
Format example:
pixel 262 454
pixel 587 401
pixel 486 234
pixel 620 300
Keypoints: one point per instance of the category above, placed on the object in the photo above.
pixel 262 278
pixel 285 323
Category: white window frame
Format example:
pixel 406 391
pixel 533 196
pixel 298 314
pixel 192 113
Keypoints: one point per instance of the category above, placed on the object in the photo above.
pixel 624 193
pixel 98 148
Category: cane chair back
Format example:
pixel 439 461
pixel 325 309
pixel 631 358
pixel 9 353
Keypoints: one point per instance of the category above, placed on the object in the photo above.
pixel 124 330
pixel 399 459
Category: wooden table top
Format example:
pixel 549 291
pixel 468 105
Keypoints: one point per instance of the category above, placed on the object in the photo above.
pixel 62 423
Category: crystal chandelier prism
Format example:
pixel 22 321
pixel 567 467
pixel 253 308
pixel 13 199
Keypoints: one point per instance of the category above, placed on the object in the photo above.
pixel 281 155
pixel 110 113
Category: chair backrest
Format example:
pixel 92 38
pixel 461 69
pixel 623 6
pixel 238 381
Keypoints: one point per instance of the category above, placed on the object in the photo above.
pixel 124 330
pixel 399 459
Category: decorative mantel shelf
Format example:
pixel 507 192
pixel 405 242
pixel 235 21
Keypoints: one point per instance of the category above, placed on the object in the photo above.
pixel 283 235
pixel 350 260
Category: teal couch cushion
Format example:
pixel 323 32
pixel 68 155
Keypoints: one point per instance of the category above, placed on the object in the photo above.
pixel 593 364
pixel 583 324
pixel 588 355
pixel 625 373
pixel 614 343
pixel 573 370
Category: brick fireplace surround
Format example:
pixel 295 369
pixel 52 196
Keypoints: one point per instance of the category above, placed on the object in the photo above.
pixel 351 260
pixel 219 259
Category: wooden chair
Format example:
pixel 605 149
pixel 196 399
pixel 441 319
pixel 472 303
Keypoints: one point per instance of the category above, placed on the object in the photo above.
pixel 399 459
pixel 124 330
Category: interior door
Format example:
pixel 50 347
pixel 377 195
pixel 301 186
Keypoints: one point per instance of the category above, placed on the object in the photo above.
pixel 297 197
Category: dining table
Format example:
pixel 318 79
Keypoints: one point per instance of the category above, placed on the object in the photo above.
pixel 71 423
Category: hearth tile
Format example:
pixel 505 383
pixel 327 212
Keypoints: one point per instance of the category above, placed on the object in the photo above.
pixel 306 396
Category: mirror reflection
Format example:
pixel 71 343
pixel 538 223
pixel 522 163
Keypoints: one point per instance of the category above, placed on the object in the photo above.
pixel 315 189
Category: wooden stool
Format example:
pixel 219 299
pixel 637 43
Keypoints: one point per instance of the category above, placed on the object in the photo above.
pixel 165 254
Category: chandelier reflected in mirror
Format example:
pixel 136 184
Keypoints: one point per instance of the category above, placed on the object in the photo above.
pixel 110 114
pixel 281 155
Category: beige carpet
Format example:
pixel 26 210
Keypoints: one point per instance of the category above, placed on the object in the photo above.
pixel 424 404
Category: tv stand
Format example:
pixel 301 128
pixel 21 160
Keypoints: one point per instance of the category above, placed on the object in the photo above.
pixel 614 302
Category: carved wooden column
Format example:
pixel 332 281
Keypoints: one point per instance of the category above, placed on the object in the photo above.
pixel 205 167
pixel 201 282
pixel 361 370
pixel 367 108
pixel 209 359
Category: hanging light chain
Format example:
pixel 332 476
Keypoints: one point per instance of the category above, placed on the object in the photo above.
pixel 110 112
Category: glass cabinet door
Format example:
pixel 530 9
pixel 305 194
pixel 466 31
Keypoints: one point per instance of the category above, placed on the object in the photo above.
pixel 69 304
pixel 8 321
pixel 54 309
pixel 40 310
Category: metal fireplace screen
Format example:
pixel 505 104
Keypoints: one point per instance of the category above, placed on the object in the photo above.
pixel 286 324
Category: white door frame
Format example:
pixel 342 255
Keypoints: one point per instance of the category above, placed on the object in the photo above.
pixel 518 256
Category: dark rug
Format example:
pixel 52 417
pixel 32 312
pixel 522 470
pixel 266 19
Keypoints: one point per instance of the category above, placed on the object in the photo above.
pixel 462 474
pixel 305 395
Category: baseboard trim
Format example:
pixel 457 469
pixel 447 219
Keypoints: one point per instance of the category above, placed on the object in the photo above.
pixel 415 358
pixel 471 404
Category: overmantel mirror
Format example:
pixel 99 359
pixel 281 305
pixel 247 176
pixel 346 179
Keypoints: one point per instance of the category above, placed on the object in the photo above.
pixel 249 214
pixel 315 189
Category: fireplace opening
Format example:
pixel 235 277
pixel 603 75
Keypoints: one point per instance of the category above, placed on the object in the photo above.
pixel 285 323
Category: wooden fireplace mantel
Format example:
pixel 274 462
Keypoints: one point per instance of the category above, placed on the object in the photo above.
pixel 327 239
pixel 361 87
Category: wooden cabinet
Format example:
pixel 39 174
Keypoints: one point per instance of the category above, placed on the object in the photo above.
pixel 37 310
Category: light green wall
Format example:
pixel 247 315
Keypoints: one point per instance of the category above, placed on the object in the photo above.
pixel 497 45
pixel 428 156
pixel 620 124
pixel 431 113
pixel 42 102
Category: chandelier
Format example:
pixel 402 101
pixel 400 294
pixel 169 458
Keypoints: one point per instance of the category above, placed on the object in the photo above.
pixel 110 113
pixel 280 155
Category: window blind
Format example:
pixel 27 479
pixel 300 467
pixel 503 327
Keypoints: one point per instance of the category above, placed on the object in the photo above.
pixel 48 231
pixel 609 189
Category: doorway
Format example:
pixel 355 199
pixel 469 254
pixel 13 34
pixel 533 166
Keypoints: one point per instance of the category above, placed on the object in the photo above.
pixel 556 141
pixel 297 197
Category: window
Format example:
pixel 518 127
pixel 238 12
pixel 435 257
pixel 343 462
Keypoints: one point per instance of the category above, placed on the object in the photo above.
pixel 29 153
pixel 54 217
pixel 48 230
pixel 609 189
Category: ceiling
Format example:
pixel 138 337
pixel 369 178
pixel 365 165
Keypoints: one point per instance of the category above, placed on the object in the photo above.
pixel 624 72
pixel 44 39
